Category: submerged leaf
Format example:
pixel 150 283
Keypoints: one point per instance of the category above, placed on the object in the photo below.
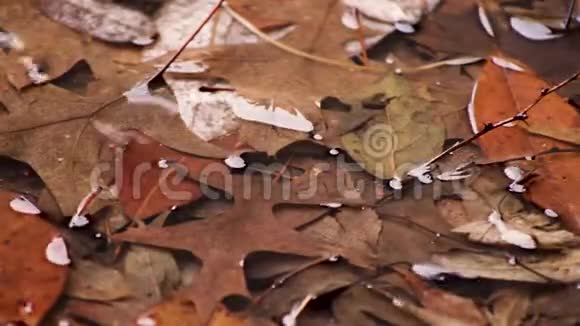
pixel 407 135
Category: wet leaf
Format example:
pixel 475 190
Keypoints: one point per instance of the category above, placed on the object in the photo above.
pixel 92 281
pixel 224 241
pixel 502 93
pixel 444 303
pixel 30 283
pixel 105 21
pixel 407 135
pixel 562 267
pixel 510 307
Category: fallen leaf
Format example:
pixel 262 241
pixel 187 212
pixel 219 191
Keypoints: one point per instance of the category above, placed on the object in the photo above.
pixel 252 222
pixel 536 226
pixel 444 303
pixel 30 283
pixel 562 267
pixel 532 30
pixel 502 93
pixel 151 273
pixel 105 21
pixel 405 137
pixel 176 310
pixel 509 307
pixel 92 281
pixel 153 177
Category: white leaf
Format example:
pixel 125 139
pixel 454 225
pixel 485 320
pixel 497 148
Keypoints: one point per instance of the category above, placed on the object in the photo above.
pixel 422 173
pixel 519 239
pixel 504 63
pixel 396 184
pixel 56 252
pixel 348 19
pixel 516 187
pixel 78 221
pixel 405 28
pixel 393 10
pixel 22 205
pixel 331 205
pixel 484 20
pixel 453 175
pixel 207 115
pixel 235 162
pixel 550 213
pixel 146 321
pixel 274 116
pixel 10 41
pixel 509 235
pixel 513 173
pixel 162 164
pixel 33 71
pixel 532 30
pixel 471 109
pixel 429 271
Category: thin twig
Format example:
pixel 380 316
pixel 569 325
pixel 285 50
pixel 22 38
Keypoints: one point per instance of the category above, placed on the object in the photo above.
pixel 282 280
pixel 571 8
pixel 361 38
pixel 520 116
pixel 553 150
pixel 157 74
pixel 338 63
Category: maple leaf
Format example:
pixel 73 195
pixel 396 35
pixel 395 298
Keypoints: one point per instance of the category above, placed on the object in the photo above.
pixel 222 242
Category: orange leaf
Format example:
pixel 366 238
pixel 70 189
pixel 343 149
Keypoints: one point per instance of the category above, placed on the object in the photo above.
pixel 502 93
pixel 30 283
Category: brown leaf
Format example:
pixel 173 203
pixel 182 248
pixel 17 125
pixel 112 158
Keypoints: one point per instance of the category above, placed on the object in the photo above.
pixel 444 303
pixel 562 267
pixel 510 307
pixel 152 181
pixel 455 28
pixel 106 21
pixel 223 242
pixel 502 93
pixel 174 311
pixel 93 281
pixel 30 283
pixel 287 80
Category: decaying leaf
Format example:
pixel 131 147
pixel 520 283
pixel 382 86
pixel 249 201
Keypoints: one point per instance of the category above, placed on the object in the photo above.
pixel 250 220
pixel 510 307
pixel 561 267
pixel 447 304
pixel 407 135
pixel 537 226
pixel 30 283
pixel 92 281
pixel 105 21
